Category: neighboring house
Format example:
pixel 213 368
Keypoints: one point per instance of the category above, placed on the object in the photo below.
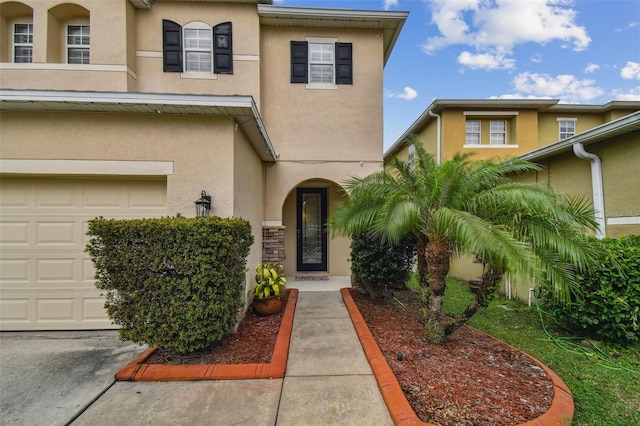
pixel 591 151
pixel 131 108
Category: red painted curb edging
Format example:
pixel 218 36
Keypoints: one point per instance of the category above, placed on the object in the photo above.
pixel 137 370
pixel 560 412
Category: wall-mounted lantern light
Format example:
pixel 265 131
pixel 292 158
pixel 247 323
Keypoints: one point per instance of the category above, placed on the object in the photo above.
pixel 203 205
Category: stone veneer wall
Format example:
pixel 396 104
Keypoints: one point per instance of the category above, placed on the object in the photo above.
pixel 273 244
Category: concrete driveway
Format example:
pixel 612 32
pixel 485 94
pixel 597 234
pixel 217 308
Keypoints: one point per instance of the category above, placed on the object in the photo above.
pixel 49 378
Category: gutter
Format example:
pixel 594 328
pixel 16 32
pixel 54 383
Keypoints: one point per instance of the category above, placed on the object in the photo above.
pixel 596 186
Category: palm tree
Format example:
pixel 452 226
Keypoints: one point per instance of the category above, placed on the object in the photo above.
pixel 473 207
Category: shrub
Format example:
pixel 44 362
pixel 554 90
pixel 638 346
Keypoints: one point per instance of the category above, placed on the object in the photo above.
pixel 381 264
pixel 609 305
pixel 171 282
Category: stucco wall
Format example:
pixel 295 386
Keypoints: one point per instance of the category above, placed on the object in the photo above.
pixel 199 147
pixel 245 79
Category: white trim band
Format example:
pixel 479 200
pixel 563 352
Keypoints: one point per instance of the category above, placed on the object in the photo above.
pixel 87 167
pixel 628 220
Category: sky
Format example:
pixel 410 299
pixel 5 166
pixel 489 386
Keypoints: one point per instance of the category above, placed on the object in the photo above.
pixel 576 51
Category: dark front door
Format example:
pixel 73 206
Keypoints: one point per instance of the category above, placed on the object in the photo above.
pixel 311 229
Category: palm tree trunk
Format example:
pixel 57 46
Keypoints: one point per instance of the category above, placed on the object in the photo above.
pixel 489 279
pixel 438 256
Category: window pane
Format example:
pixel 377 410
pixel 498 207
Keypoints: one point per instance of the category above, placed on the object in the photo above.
pixel 321 52
pixel 23 34
pixel 78 56
pixel 198 62
pixel 23 55
pixel 321 74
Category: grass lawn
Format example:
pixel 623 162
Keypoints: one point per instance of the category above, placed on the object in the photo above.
pixel 605 384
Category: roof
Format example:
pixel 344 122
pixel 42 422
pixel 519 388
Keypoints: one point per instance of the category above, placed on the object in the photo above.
pixel 541 105
pixel 240 109
pixel 390 23
pixel 627 124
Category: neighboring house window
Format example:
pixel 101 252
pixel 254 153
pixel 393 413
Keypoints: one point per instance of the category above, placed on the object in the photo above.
pixel 23 43
pixel 321 62
pixel 78 41
pixel 411 157
pixel 197 48
pixel 567 127
pixel 498 132
pixel 473 132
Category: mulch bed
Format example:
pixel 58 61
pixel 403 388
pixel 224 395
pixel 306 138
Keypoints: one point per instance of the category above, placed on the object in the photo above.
pixel 471 379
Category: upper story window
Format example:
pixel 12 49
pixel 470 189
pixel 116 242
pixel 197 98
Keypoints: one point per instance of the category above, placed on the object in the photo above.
pixel 498 132
pixel 473 132
pixel 566 127
pixel 78 41
pixel 321 61
pixel 23 43
pixel 411 157
pixel 197 48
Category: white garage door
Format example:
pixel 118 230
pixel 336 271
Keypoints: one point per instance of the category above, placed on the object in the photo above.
pixel 46 278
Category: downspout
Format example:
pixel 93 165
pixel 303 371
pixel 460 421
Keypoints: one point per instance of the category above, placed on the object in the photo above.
pixel 596 186
pixel 438 136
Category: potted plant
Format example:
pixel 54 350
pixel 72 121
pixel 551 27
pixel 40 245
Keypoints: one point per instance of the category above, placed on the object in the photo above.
pixel 270 285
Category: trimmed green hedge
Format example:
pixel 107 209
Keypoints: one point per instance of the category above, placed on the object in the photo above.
pixel 609 306
pixel 382 264
pixel 171 282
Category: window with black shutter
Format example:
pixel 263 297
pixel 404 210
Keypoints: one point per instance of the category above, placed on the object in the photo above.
pixel 299 65
pixel 335 60
pixel 223 52
pixel 171 46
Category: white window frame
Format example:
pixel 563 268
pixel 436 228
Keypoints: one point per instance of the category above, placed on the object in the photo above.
pixel 411 157
pixel 562 135
pixel 473 132
pixel 28 44
pixel 498 132
pixel 82 46
pixel 200 28
pixel 329 41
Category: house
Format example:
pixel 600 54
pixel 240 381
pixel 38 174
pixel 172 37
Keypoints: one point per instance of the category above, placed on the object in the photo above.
pixel 590 151
pixel 132 108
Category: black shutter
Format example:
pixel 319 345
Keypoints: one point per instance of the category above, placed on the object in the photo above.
pixel 299 53
pixel 344 63
pixel 222 49
pixel 171 46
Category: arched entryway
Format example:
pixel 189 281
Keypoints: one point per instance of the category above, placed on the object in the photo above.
pixel 308 248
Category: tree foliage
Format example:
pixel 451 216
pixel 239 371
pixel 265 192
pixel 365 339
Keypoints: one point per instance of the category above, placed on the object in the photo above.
pixel 473 207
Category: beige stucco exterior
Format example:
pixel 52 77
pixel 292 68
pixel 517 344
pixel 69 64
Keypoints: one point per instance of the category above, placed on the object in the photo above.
pixel 249 138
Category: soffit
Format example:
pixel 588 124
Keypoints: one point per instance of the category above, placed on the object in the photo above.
pixel 239 109
pixel 390 23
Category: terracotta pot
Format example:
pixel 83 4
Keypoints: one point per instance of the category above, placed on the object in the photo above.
pixel 269 306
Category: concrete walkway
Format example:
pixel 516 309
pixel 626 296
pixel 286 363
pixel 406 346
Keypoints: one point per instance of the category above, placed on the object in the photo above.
pixel 328 381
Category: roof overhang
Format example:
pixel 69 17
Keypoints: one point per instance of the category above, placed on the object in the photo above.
pixel 240 110
pixel 146 4
pixel 622 126
pixel 390 23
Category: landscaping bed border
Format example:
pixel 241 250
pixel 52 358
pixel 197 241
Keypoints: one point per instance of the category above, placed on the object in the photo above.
pixel 137 370
pixel 559 413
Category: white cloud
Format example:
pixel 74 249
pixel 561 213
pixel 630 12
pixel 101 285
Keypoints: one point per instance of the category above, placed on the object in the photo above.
pixel 487 61
pixel 628 27
pixel 388 4
pixel 565 87
pixel 591 68
pixel 501 24
pixel 537 58
pixel 627 95
pixel 631 71
pixel 408 94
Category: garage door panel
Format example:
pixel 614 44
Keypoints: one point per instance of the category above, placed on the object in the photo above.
pixel 46 279
pixel 15 233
